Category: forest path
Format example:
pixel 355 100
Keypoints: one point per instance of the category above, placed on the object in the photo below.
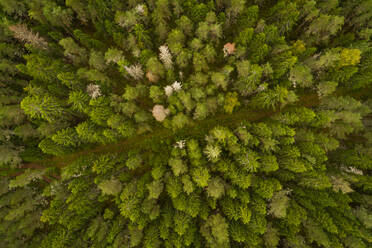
pixel 195 127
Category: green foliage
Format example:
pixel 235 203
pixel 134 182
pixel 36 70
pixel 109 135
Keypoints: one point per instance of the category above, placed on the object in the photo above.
pixel 323 27
pixel 48 146
pixel 179 121
pixel 249 77
pixel 301 75
pixel 155 189
pixel 46 107
pixel 79 100
pixel 321 181
pixel 284 14
pixel 273 98
pixel 110 187
pixel 266 137
pixel 66 137
pixel 231 101
pixel 200 176
pixel 279 204
pixel 271 237
pixel 349 57
pixel 77 54
pixel 134 160
pixel 215 231
pixel 177 165
pixel 216 188
pixel 25 178
pixel 103 164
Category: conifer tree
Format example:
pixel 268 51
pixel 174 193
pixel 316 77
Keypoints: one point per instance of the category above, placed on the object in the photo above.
pixel 170 123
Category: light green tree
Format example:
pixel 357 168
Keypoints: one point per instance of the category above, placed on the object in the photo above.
pixel 110 187
pixel 215 231
pixel 45 107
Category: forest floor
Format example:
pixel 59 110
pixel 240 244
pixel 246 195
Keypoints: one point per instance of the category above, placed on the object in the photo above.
pixel 193 129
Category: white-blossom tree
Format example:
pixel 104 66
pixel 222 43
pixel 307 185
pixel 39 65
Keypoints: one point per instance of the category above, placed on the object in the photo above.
pixel 159 112
pixel 177 86
pixel 135 71
pixel 180 144
pixel 165 56
pixel 140 9
pixel 168 90
pixel 94 91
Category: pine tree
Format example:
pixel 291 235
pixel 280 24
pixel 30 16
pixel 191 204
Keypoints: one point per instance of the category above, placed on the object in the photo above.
pixel 278 204
pixel 322 28
pixel 175 123
pixel 215 231
pixel 45 107
pixel 301 75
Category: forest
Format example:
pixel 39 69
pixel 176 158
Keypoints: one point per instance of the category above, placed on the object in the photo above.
pixel 185 123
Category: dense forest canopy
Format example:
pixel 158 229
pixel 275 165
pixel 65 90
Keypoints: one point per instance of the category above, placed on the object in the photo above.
pixel 185 123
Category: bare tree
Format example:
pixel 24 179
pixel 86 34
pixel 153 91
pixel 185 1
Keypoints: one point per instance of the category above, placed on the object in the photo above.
pixel 21 32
